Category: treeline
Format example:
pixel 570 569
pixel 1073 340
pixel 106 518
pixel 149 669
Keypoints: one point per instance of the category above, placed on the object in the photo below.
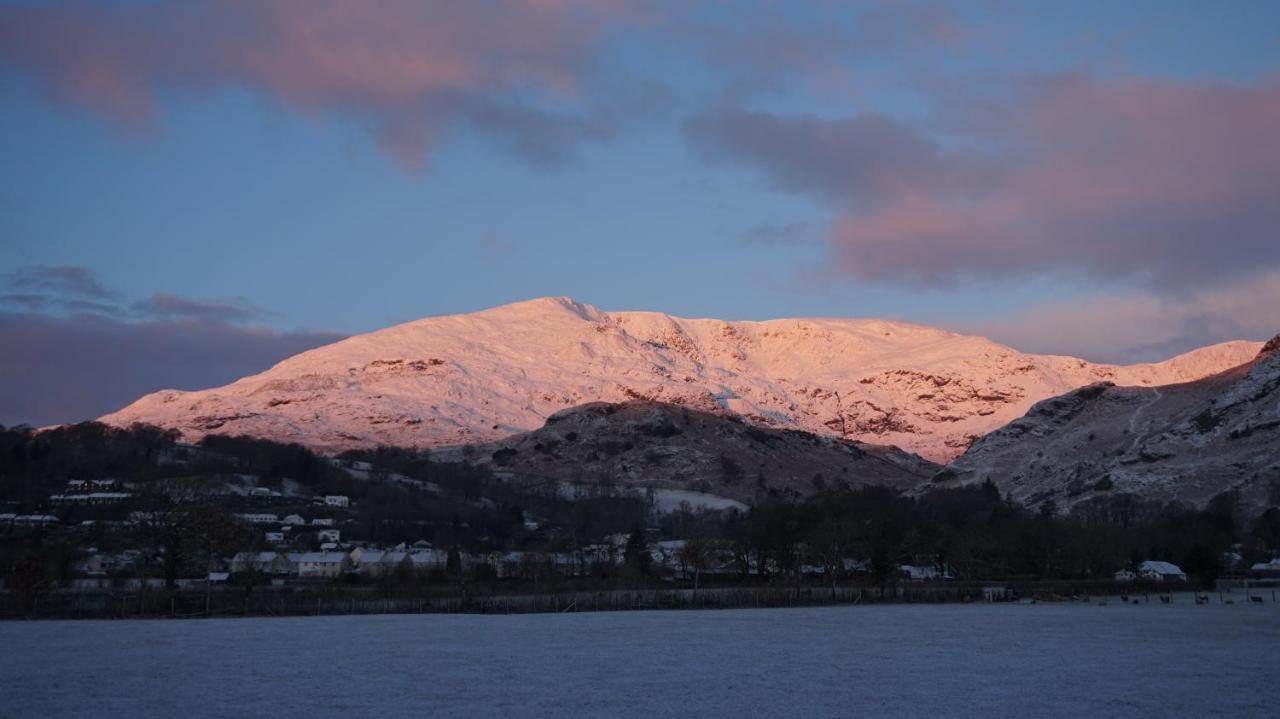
pixel 969 534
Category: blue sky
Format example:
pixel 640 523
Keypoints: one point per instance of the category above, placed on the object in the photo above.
pixel 574 165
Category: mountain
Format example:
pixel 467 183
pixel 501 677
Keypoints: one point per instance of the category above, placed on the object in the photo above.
pixel 663 446
pixel 484 376
pixel 1185 442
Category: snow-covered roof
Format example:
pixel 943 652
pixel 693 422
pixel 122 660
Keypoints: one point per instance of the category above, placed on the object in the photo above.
pixel 1157 567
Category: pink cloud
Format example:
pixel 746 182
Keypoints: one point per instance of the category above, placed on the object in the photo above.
pixel 1164 181
pixel 406 68
pixel 1142 326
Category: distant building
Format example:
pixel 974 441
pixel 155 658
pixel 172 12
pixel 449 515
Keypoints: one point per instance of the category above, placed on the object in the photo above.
pixel 1154 571
pixel 1125 575
pixel 322 522
pixel 259 518
pixel 275 537
pixel 1267 569
pixel 918 573
pixel 294 519
pixel 322 564
pixel 337 500
pixel 328 535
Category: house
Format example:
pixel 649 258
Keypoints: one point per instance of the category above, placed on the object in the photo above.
pixel 328 535
pixel 265 562
pixel 337 500
pixel 295 520
pixel 322 564
pixel 918 573
pixel 1161 572
pixel 77 485
pixel 1267 569
pixel 28 520
pixel 90 498
pixel 260 492
pixel 274 537
pixel 259 518
pixel 1125 575
pixel 322 522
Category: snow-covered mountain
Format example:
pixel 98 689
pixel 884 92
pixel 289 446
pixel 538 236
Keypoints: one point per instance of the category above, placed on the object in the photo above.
pixel 484 376
pixel 1186 442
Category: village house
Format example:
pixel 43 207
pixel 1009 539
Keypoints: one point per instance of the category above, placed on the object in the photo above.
pixel 259 518
pixel 275 563
pixel 322 522
pixel 1154 571
pixel 274 537
pixel 328 535
pixel 295 520
pixel 337 500
pixel 1125 575
pixel 322 564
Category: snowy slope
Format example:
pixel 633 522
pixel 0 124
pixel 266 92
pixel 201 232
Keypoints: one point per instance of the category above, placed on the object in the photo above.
pixel 1185 442
pixel 484 376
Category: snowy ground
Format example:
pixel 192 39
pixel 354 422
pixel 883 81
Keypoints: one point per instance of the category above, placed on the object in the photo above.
pixel 669 500
pixel 948 660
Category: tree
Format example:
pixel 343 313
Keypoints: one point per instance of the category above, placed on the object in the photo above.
pixel 636 555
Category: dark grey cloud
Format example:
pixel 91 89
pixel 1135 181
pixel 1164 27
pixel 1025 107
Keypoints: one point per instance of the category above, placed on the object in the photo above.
pixel 70 352
pixel 61 280
pixel 164 306
pixel 68 369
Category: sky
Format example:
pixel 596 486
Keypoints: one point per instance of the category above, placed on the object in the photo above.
pixel 194 190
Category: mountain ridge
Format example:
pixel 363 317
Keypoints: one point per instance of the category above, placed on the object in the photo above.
pixel 483 376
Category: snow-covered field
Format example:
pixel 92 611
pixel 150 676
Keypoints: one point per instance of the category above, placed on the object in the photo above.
pixel 903 660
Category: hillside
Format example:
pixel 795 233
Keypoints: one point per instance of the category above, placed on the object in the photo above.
pixel 1185 442
pixel 652 445
pixel 488 375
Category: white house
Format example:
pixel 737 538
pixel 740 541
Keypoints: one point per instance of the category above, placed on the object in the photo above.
pixel 322 522
pixel 337 500
pixel 328 535
pixel 294 519
pixel 322 564
pixel 1125 575
pixel 918 573
pixel 275 537
pixel 1270 569
pixel 259 518
pixel 1161 572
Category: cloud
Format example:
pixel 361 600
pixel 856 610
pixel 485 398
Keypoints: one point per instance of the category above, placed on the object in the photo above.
pixel 78 368
pixel 171 307
pixel 68 356
pixel 37 280
pixel 1171 184
pixel 409 70
pixel 1140 327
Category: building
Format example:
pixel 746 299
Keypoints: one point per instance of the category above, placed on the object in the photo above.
pixel 1125 575
pixel 322 522
pixel 259 518
pixel 337 500
pixel 322 564
pixel 275 537
pixel 1154 571
pixel 328 535
pixel 1267 569
pixel 295 520
pixel 275 563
